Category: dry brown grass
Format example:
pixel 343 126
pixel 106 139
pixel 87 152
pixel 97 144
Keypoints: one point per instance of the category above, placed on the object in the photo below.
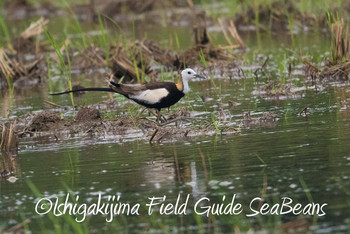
pixel 9 67
pixel 35 29
pixel 232 30
pixel 338 66
pixel 8 137
pixel 340 42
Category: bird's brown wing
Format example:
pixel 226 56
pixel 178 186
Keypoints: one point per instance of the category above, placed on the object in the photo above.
pixel 132 89
pixel 126 89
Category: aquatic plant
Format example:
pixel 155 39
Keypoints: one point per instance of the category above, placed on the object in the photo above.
pixel 266 13
pixel 104 40
pixel 65 68
pixel 215 120
pixel 75 24
pixel 64 223
pixel 291 19
pixel 340 48
pixel 177 40
pixel 8 69
pixel 202 59
pixel 308 195
pixel 49 74
pixel 4 30
pixel 8 138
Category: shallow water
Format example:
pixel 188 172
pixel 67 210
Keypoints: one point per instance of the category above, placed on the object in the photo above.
pixel 305 158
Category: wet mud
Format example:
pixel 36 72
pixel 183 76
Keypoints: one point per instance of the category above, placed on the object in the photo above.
pixel 89 121
pixel 268 119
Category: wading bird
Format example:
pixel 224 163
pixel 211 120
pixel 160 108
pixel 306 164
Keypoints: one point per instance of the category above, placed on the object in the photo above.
pixel 155 95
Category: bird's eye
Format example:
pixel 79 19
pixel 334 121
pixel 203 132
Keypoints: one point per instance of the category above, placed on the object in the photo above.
pixel 189 73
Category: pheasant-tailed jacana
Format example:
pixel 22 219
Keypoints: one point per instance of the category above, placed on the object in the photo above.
pixel 155 95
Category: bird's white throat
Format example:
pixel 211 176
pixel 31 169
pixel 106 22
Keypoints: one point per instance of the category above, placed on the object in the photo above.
pixel 186 88
pixel 182 85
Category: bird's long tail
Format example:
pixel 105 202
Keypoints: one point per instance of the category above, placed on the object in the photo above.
pixel 85 89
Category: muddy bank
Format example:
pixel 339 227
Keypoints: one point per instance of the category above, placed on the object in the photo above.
pixel 268 119
pixel 328 73
pixel 274 90
pixel 337 66
pixel 89 121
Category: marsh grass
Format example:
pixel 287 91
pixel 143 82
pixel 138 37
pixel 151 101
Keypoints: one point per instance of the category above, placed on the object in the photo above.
pixel 7 68
pixel 133 31
pixel 202 59
pixel 49 74
pixel 140 71
pixel 133 111
pixel 62 224
pixel 215 120
pixel 76 26
pixel 4 31
pixel 177 40
pixel 65 68
pixel 8 138
pixel 309 197
pixel 212 80
pixel 104 40
pixel 121 36
pixel 262 13
pixel 291 19
pixel 65 223
pixel 340 49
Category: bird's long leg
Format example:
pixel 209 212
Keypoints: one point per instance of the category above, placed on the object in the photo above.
pixel 143 110
pixel 164 119
pixel 153 113
pixel 158 115
pixel 153 135
pixel 150 111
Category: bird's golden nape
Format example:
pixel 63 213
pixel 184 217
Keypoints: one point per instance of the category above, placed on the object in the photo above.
pixel 179 84
pixel 157 95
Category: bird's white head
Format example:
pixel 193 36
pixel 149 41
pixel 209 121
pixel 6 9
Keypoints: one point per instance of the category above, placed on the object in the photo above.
pixel 187 75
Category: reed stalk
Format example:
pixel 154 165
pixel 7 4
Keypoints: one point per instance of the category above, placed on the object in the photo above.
pixel 340 48
pixel 8 137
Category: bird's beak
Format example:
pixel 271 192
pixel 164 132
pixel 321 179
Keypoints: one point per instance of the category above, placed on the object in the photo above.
pixel 199 76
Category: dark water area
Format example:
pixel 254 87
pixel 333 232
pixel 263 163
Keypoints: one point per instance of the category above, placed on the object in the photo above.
pixel 312 150
pixel 303 158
